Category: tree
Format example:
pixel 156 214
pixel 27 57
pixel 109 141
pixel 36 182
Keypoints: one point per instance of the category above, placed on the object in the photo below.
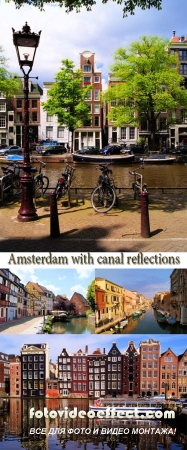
pixel 67 97
pixel 60 305
pixel 9 85
pixel 71 5
pixel 91 295
pixel 149 83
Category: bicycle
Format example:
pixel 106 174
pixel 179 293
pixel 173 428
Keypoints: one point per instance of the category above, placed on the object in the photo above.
pixel 138 186
pixel 41 182
pixel 64 183
pixel 104 196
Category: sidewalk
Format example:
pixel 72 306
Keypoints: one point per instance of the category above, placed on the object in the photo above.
pixel 26 325
pixel 82 229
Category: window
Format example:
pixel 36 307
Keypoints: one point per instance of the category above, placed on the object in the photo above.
pixel 87 80
pixel 19 103
pixel 87 68
pixel 11 129
pixel 2 122
pixel 19 117
pixel 49 118
pixel 96 79
pixel 96 108
pixel 96 94
pixel 49 132
pixel 183 55
pixel 34 103
pixel 2 107
pixel 34 117
pixel 11 118
pixel 183 69
pixel 132 132
pixel 123 132
pixel 96 121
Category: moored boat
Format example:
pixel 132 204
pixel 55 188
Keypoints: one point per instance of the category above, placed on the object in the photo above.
pixel 158 159
pixel 113 159
pixel 171 320
pixel 161 318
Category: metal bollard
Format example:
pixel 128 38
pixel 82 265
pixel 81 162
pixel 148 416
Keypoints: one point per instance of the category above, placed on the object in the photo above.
pixel 54 223
pixel 145 227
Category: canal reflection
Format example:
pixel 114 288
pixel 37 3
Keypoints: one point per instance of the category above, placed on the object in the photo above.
pixel 147 323
pixel 15 427
pixel 75 326
pixel 87 175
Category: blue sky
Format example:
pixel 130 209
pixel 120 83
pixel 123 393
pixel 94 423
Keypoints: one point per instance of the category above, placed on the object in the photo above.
pixel 12 344
pixel 101 31
pixel 60 281
pixel 145 281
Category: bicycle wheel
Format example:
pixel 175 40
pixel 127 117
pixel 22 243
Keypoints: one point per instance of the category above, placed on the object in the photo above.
pixel 103 199
pixel 41 184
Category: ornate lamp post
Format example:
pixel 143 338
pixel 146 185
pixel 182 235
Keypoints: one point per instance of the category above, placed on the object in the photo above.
pixel 26 44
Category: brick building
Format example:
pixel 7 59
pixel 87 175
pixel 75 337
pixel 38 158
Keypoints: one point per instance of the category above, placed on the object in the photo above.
pixel 182 375
pixel 114 370
pixel 34 369
pixel 149 367
pixel 5 372
pixel 15 377
pixel 81 304
pixel 169 373
pixel 97 373
pixel 131 371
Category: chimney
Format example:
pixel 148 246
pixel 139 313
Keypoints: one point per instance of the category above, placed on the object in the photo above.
pixel 174 33
pixel 104 351
pixel 86 349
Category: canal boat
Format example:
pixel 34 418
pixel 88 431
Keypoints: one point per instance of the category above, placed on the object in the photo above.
pixel 122 324
pixel 135 315
pixel 161 318
pixel 171 320
pixel 121 407
pixel 158 159
pixel 102 159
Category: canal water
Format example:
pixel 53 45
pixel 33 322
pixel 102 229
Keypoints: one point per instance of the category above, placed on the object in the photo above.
pixel 155 176
pixel 16 430
pixel 75 326
pixel 86 175
pixel 147 323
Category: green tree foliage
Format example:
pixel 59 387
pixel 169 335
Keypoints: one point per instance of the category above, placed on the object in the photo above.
pixel 67 97
pixel 9 85
pixel 149 83
pixel 91 295
pixel 76 5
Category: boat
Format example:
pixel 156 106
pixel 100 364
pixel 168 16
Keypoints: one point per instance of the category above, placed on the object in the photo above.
pixel 136 314
pixel 171 320
pixel 158 159
pixel 101 159
pixel 161 318
pixel 121 408
pixel 122 324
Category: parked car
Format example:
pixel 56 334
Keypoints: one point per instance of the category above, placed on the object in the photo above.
pixel 89 151
pixel 11 150
pixel 181 150
pixel 53 150
pixel 111 150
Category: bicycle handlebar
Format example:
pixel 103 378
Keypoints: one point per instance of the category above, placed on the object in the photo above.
pixel 38 160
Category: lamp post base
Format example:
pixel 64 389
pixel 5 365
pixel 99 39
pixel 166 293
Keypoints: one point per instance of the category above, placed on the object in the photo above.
pixel 27 211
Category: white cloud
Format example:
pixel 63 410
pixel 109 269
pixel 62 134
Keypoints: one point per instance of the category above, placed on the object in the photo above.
pixel 79 289
pixel 62 278
pixel 85 272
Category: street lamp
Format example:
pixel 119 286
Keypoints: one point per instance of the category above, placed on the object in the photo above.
pixel 26 44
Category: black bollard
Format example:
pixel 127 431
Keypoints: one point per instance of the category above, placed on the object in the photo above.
pixel 54 223
pixel 145 227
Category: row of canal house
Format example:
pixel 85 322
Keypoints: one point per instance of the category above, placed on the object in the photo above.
pixel 137 371
pixel 113 301
pixel 174 302
pixel 17 300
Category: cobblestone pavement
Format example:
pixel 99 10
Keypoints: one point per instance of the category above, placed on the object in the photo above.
pixel 82 229
pixel 27 325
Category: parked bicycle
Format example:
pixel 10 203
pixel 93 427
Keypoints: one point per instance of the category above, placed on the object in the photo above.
pixel 104 196
pixel 41 182
pixel 138 186
pixel 64 183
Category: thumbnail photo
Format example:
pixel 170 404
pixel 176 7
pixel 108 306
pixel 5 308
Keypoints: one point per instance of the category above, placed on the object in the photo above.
pixel 38 301
pixel 135 301
pixel 129 394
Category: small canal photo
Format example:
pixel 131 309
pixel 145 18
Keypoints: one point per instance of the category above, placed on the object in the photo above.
pixel 44 301
pixel 138 301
